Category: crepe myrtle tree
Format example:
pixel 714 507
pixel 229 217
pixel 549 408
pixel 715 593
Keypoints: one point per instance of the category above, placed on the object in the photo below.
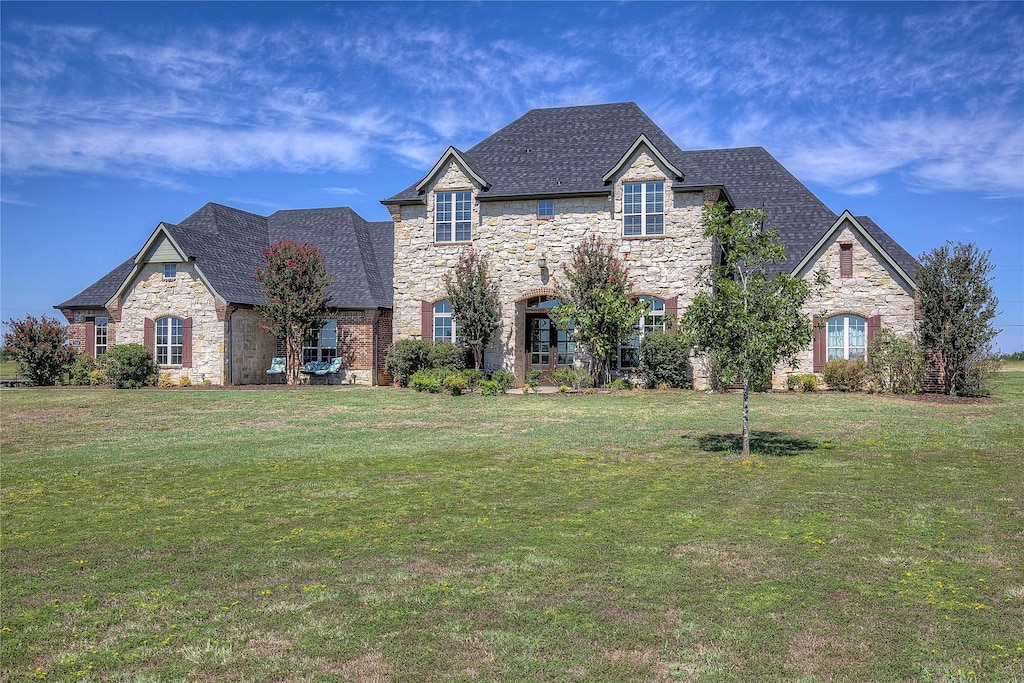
pixel 293 279
pixel 746 320
pixel 596 304
pixel 958 305
pixel 40 347
pixel 473 296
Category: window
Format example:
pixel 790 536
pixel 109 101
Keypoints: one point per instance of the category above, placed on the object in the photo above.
pixel 847 337
pixel 546 207
pixel 654 321
pixel 446 327
pixel 168 341
pixel 845 260
pixel 101 336
pixel 170 270
pixel 643 209
pixel 462 212
pixel 322 346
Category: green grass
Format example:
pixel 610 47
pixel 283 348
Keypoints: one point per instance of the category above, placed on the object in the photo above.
pixel 9 370
pixel 380 535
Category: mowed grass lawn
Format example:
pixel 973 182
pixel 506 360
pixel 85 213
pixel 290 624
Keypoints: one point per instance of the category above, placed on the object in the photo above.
pixel 383 535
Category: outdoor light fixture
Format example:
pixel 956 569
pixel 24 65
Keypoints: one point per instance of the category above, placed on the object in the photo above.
pixel 542 262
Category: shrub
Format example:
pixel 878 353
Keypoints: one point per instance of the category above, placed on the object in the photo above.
pixel 845 375
pixel 489 388
pixel 809 381
pixel 455 383
pixel 622 384
pixel 981 368
pixel 896 364
pixel 83 366
pixel 184 381
pixel 572 378
pixel 130 366
pixel 426 380
pixel 164 380
pixel 665 359
pixel 504 379
pixel 40 348
pixel 405 357
pixel 98 378
pixel 532 380
pixel 1016 356
pixel 473 377
pixel 446 355
pixel 207 382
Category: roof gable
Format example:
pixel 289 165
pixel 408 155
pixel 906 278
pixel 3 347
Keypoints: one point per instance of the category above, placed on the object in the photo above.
pixel 641 141
pixel 450 155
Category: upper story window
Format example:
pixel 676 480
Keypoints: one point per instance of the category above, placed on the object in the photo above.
pixel 446 327
pixel 643 209
pixel 847 337
pixel 169 340
pixel 654 321
pixel 322 346
pixel 101 336
pixel 170 270
pixel 453 216
pixel 546 208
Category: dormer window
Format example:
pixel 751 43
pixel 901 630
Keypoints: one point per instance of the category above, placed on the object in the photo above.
pixel 453 216
pixel 170 271
pixel 643 209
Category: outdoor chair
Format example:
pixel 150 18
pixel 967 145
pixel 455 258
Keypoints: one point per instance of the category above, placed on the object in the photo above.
pixel 276 368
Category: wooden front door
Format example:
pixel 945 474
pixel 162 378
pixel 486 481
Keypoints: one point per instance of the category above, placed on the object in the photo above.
pixel 547 347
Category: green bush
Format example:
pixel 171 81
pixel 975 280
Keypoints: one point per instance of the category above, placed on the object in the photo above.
pixel 504 379
pixel 426 380
pixel 896 364
pixel 446 355
pixel 83 366
pixel 809 381
pixel 98 378
pixel 455 383
pixel 405 357
pixel 130 366
pixel 665 359
pixel 532 380
pixel 572 378
pixel 473 377
pixel 489 388
pixel 622 384
pixel 845 375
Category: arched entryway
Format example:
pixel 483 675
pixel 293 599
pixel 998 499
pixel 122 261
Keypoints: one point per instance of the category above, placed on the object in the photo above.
pixel 542 346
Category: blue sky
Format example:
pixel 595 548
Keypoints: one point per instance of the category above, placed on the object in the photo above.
pixel 114 117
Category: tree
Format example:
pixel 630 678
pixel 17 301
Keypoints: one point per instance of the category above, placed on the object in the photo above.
pixel 40 348
pixel 957 308
pixel 293 279
pixel 746 320
pixel 597 305
pixel 474 300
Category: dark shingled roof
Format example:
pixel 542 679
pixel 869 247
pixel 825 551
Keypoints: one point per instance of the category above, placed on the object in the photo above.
pixel 897 253
pixel 568 150
pixel 227 245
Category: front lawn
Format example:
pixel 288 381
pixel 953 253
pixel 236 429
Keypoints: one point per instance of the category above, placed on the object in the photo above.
pixel 382 535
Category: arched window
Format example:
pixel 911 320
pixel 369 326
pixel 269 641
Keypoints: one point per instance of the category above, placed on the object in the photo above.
pixel 322 346
pixel 446 327
pixel 629 353
pixel 169 341
pixel 847 337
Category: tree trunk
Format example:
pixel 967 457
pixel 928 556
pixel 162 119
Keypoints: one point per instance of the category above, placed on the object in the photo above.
pixel 294 360
pixel 746 417
pixel 478 357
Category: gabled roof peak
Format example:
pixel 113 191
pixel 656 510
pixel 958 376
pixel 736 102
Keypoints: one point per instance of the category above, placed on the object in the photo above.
pixel 452 154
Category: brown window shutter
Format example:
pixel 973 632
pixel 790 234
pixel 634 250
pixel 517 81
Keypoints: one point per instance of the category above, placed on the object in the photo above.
pixel 90 336
pixel 845 260
pixel 149 335
pixel 874 324
pixel 427 320
pixel 186 343
pixel 819 344
pixel 671 311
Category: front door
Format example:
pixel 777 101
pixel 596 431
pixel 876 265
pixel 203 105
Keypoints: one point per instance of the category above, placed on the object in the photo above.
pixel 547 347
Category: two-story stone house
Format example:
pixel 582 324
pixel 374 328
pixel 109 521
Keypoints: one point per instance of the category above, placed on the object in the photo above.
pixel 529 193
pixel 525 196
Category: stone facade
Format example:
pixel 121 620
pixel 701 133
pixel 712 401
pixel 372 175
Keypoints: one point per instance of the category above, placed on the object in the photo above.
pixel 514 237
pixel 153 296
pixel 251 348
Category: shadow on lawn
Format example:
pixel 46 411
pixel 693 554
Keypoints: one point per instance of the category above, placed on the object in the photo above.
pixel 774 444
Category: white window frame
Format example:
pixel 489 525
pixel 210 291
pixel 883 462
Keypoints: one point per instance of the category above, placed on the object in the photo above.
pixel 546 208
pixel 322 346
pixel 101 329
pixel 170 330
pixel 453 216
pixel 654 321
pixel 643 209
pixel 444 322
pixel 839 332
pixel 170 271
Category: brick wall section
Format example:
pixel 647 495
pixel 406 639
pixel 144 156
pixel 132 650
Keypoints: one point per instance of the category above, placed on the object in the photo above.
pixel 514 237
pixel 356 344
pixel 78 329
pixel 384 334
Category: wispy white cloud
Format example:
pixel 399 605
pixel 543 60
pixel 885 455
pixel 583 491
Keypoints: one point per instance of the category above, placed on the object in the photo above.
pixel 346 191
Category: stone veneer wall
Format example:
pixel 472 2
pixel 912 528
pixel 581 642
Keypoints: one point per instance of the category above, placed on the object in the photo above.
pixel 185 296
pixel 514 237
pixel 251 348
